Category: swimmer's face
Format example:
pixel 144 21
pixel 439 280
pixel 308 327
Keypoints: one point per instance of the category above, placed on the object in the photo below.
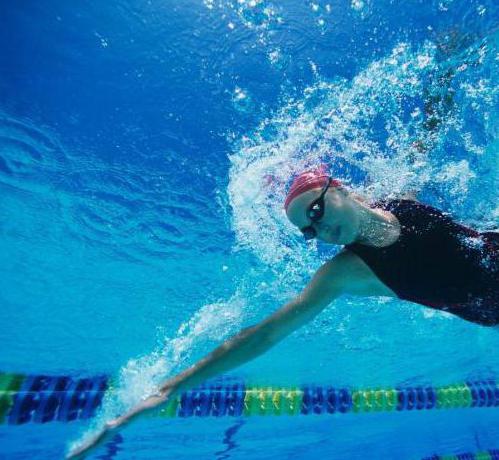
pixel 340 222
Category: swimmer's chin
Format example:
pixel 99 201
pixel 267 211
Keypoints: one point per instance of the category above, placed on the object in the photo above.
pixel 337 237
pixel 334 237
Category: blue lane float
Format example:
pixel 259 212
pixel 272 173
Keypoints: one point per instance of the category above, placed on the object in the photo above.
pixel 42 399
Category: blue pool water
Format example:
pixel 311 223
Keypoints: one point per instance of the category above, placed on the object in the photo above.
pixel 145 147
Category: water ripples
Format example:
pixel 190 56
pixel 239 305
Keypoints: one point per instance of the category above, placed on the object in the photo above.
pixel 25 150
pixel 138 214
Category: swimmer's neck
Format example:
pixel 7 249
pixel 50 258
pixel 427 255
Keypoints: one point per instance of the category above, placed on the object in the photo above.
pixel 377 227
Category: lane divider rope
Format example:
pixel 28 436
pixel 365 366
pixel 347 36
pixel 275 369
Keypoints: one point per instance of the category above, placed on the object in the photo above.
pixel 41 399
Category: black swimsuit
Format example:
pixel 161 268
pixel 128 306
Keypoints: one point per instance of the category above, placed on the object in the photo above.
pixel 438 263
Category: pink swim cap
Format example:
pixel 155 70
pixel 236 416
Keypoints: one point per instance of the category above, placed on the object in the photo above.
pixel 308 180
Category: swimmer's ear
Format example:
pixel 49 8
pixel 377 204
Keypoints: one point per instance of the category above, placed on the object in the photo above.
pixel 350 193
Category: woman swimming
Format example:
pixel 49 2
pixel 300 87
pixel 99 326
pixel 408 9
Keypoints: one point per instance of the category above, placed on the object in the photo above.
pixel 394 248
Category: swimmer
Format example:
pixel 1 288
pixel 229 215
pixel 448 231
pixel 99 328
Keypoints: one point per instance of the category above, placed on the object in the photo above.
pixel 393 248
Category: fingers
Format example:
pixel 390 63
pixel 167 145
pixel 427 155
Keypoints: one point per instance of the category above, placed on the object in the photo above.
pixel 114 424
pixel 82 451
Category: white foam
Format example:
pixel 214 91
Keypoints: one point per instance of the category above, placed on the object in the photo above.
pixel 333 120
pixel 141 376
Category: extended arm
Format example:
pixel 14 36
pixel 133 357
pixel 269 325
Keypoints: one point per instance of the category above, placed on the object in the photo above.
pixel 328 283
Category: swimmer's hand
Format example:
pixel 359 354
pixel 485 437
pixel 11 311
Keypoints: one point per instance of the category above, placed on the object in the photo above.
pixel 113 426
pixel 327 284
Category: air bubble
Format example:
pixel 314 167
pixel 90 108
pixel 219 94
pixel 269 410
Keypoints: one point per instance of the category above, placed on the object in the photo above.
pixel 241 101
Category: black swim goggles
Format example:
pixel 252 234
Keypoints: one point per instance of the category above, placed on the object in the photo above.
pixel 315 212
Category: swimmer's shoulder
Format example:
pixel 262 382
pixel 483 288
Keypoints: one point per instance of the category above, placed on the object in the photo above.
pixel 411 195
